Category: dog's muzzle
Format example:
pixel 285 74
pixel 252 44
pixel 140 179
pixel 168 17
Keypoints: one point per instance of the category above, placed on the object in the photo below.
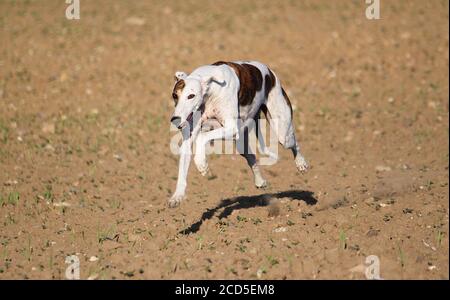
pixel 177 121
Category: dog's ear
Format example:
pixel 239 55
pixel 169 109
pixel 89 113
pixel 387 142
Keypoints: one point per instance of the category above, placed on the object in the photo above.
pixel 206 82
pixel 180 75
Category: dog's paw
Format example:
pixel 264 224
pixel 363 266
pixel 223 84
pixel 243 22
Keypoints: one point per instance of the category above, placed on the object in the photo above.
pixel 261 183
pixel 176 200
pixel 302 165
pixel 203 169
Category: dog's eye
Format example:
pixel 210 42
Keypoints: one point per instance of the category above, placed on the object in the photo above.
pixel 191 96
pixel 174 96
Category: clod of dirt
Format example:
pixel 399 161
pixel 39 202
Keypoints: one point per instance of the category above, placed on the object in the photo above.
pixel 340 202
pixel 383 168
pixel 61 204
pixel 274 208
pixel 129 273
pixel 93 276
pixel 408 211
pixel 334 199
pixel 372 232
pixel 10 182
pixel 306 215
pixel 280 229
pixel 393 185
pixel 135 21
pixel 118 157
pixel 48 128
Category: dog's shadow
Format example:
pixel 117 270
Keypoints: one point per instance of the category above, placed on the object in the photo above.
pixel 242 202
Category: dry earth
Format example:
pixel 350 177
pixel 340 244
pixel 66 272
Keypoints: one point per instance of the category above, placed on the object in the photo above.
pixel 85 166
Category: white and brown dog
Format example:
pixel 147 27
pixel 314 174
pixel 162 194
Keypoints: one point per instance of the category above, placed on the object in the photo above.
pixel 233 94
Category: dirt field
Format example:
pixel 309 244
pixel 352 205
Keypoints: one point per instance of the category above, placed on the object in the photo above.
pixel 85 166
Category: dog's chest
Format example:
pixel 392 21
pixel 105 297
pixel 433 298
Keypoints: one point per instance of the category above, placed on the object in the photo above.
pixel 214 112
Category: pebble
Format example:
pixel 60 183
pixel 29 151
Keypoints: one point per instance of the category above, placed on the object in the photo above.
pixel 93 276
pixel 48 128
pixel 135 21
pixel 280 229
pixel 61 204
pixel 10 182
pixel 383 168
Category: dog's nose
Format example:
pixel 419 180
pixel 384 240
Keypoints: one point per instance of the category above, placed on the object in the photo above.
pixel 175 121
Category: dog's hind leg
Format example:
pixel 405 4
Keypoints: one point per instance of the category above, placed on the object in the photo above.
pixel 278 111
pixel 262 147
pixel 245 150
pixel 300 161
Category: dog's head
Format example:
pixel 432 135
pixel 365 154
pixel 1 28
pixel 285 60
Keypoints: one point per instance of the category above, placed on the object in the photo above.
pixel 188 94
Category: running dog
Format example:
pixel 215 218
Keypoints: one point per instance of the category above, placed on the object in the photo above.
pixel 233 94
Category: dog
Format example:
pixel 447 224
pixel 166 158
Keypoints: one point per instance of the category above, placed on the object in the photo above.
pixel 233 94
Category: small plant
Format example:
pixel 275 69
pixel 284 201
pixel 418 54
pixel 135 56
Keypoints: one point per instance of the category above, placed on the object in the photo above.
pixel 241 219
pixel 260 272
pixel 342 239
pixel 114 203
pixel 200 243
pixel 48 193
pixel 10 219
pixel 107 234
pixel 257 221
pixel 439 237
pixel 401 256
pixel 13 198
pixel 232 270
pixel 82 201
pixel 29 247
pixel 272 260
pixel 28 250
pixel 4 132
pixel 50 260
pixel 4 255
pixel 241 245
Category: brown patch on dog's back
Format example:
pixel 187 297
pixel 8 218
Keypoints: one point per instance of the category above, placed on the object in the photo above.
pixel 250 79
pixel 177 89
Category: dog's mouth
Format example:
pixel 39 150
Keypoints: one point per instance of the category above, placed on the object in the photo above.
pixel 187 121
pixel 189 118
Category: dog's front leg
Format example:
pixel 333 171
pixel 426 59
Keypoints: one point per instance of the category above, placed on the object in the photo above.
pixel 229 131
pixel 185 160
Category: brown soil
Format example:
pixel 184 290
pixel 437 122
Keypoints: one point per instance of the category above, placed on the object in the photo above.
pixel 85 166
